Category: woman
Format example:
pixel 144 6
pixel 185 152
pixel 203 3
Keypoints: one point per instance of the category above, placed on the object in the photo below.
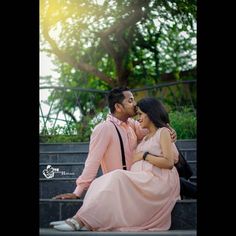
pixel 139 199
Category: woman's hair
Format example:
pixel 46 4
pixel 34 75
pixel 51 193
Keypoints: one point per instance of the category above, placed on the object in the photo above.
pixel 116 96
pixel 155 111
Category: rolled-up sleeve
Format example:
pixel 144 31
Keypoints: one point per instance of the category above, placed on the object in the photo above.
pixel 99 142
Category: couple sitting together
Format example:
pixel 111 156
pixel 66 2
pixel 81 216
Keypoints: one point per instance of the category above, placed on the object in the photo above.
pixel 140 197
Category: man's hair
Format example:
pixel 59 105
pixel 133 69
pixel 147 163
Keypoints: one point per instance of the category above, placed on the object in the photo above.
pixel 155 110
pixel 116 96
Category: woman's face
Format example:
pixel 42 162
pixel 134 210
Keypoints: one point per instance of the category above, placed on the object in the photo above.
pixel 143 118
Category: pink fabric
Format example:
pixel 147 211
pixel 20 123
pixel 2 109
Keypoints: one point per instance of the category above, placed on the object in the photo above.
pixel 135 200
pixel 104 149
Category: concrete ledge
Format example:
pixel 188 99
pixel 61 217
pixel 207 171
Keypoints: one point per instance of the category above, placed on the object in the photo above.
pixel 53 232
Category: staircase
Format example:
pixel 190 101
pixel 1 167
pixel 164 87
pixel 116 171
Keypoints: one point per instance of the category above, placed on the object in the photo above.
pixel 67 161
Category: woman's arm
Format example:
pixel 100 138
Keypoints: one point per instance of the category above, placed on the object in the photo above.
pixel 167 160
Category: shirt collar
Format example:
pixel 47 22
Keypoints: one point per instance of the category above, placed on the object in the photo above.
pixel 110 117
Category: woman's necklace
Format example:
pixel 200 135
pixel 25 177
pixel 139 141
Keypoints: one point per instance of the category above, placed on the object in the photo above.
pixel 148 136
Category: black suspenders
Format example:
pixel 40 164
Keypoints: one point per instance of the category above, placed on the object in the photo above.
pixel 121 147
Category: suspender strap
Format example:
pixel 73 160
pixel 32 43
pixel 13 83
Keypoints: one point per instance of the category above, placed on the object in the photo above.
pixel 121 147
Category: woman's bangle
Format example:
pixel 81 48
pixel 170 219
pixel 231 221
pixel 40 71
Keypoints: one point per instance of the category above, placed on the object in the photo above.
pixel 145 155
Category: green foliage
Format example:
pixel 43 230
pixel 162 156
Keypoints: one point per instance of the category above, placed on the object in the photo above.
pixel 135 52
pixel 60 138
pixel 102 44
pixel 73 132
pixel 185 123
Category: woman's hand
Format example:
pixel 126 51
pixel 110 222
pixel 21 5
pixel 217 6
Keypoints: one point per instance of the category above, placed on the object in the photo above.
pixel 137 156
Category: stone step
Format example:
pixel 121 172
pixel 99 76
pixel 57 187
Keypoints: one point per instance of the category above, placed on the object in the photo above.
pixel 80 156
pixel 68 147
pixel 83 146
pixel 190 154
pixel 74 169
pixel 184 214
pixel 186 143
pixel 53 232
pixel 77 152
pixel 193 165
pixel 62 156
pixel 54 186
pixel 51 187
pixel 74 156
pixel 193 179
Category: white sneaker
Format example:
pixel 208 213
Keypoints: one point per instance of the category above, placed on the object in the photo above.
pixel 56 222
pixel 68 225
pixel 64 227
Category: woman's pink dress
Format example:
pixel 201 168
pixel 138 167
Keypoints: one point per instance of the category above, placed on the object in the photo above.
pixel 135 200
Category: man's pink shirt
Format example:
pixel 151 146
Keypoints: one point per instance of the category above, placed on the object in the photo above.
pixel 104 149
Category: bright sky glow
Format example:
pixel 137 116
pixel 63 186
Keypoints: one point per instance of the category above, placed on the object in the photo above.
pixel 47 69
pixel 46 66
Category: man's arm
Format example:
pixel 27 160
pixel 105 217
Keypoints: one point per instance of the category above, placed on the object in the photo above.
pixel 139 131
pixel 98 144
pixel 173 134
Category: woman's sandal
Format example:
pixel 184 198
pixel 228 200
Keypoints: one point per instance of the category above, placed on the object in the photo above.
pixel 68 225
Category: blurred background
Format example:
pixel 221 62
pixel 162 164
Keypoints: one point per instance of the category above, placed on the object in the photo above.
pixel 89 47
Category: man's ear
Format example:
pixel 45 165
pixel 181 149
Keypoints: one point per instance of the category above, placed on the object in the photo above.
pixel 118 107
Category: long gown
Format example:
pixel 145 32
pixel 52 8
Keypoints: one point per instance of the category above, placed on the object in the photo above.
pixel 136 200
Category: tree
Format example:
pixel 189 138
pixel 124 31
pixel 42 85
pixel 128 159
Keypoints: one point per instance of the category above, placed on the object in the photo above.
pixel 119 42
pixel 102 44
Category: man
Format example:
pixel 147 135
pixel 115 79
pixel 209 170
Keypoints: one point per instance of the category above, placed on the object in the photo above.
pixel 104 147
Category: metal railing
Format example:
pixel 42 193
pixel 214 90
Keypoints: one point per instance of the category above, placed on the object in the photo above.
pixel 62 106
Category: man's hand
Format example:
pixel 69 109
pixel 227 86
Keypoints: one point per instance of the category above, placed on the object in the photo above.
pixel 173 134
pixel 137 156
pixel 66 196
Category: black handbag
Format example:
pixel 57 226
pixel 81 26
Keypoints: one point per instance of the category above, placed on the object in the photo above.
pixel 183 168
